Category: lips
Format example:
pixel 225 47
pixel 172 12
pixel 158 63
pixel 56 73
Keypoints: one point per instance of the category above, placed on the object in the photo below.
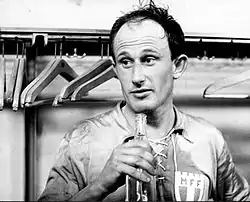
pixel 142 92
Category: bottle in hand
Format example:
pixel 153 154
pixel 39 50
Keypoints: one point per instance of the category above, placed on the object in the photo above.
pixel 137 190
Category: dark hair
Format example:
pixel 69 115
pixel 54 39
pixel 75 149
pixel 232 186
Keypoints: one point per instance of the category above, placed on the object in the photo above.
pixel 150 11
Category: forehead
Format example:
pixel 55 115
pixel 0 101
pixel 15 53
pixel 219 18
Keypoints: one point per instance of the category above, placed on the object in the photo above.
pixel 133 31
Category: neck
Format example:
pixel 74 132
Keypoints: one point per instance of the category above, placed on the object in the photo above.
pixel 159 122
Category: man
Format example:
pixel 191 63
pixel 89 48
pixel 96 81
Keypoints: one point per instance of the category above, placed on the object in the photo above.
pixel 188 156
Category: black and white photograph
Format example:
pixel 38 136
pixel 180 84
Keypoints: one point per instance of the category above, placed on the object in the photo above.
pixel 124 100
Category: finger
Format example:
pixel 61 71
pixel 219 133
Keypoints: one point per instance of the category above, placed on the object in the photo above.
pixel 138 162
pixel 138 143
pixel 140 153
pixel 133 172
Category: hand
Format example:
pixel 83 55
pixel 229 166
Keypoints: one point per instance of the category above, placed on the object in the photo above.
pixel 125 160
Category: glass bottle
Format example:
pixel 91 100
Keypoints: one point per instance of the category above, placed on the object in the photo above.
pixel 137 190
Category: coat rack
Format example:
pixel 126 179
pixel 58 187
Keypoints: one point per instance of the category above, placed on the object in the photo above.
pixel 59 36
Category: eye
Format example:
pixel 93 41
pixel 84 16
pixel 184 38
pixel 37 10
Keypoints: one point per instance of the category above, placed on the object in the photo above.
pixel 126 63
pixel 149 60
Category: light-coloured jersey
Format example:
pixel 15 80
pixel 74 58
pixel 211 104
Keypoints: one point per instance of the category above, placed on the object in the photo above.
pixel 194 161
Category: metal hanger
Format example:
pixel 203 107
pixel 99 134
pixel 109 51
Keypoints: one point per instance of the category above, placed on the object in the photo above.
pixel 100 72
pixel 53 69
pixel 210 91
pixel 75 55
pixel 2 77
pixel 19 80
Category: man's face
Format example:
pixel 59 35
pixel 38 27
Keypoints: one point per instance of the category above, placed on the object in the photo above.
pixel 144 66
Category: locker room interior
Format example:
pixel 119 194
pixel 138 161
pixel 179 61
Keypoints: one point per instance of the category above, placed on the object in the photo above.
pixel 31 134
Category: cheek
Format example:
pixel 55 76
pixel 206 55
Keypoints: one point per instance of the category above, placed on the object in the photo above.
pixel 124 80
pixel 164 84
pixel 164 78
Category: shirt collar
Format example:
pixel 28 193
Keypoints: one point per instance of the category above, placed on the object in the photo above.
pixel 179 126
pixel 122 121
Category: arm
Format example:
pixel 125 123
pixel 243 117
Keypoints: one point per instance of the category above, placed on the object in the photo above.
pixel 62 185
pixel 62 182
pixel 230 185
pixel 67 182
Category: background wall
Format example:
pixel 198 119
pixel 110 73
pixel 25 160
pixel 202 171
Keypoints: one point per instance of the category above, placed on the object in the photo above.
pixel 203 17
pixel 12 148
pixel 197 17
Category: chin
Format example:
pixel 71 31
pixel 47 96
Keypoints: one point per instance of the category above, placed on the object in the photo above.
pixel 143 106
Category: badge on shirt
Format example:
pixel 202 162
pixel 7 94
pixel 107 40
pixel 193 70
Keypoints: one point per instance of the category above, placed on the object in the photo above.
pixel 189 186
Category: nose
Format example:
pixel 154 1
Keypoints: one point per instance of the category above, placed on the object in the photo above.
pixel 138 77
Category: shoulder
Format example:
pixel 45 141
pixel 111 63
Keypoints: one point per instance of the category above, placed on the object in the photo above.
pixel 201 130
pixel 201 124
pixel 87 127
pixel 78 139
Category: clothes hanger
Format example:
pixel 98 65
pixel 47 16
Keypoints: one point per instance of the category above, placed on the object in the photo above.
pixel 12 80
pixel 84 88
pixel 33 82
pixel 19 81
pixel 52 69
pixel 59 67
pixel 210 90
pixel 94 71
pixel 2 78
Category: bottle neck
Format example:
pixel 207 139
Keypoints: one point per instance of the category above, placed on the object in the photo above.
pixel 140 126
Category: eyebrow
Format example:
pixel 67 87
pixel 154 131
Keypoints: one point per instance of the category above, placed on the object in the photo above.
pixel 143 51
pixel 149 50
pixel 123 53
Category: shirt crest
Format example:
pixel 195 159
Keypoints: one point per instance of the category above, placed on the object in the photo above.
pixel 189 186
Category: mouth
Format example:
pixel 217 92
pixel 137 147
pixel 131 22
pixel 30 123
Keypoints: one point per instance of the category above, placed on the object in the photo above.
pixel 140 93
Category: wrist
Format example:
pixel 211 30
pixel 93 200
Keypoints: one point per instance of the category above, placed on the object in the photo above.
pixel 98 190
pixel 99 186
pixel 92 192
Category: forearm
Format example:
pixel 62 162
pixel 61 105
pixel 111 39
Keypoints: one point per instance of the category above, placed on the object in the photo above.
pixel 92 192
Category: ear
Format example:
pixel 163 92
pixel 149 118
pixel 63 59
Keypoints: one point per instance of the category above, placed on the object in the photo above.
pixel 179 66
